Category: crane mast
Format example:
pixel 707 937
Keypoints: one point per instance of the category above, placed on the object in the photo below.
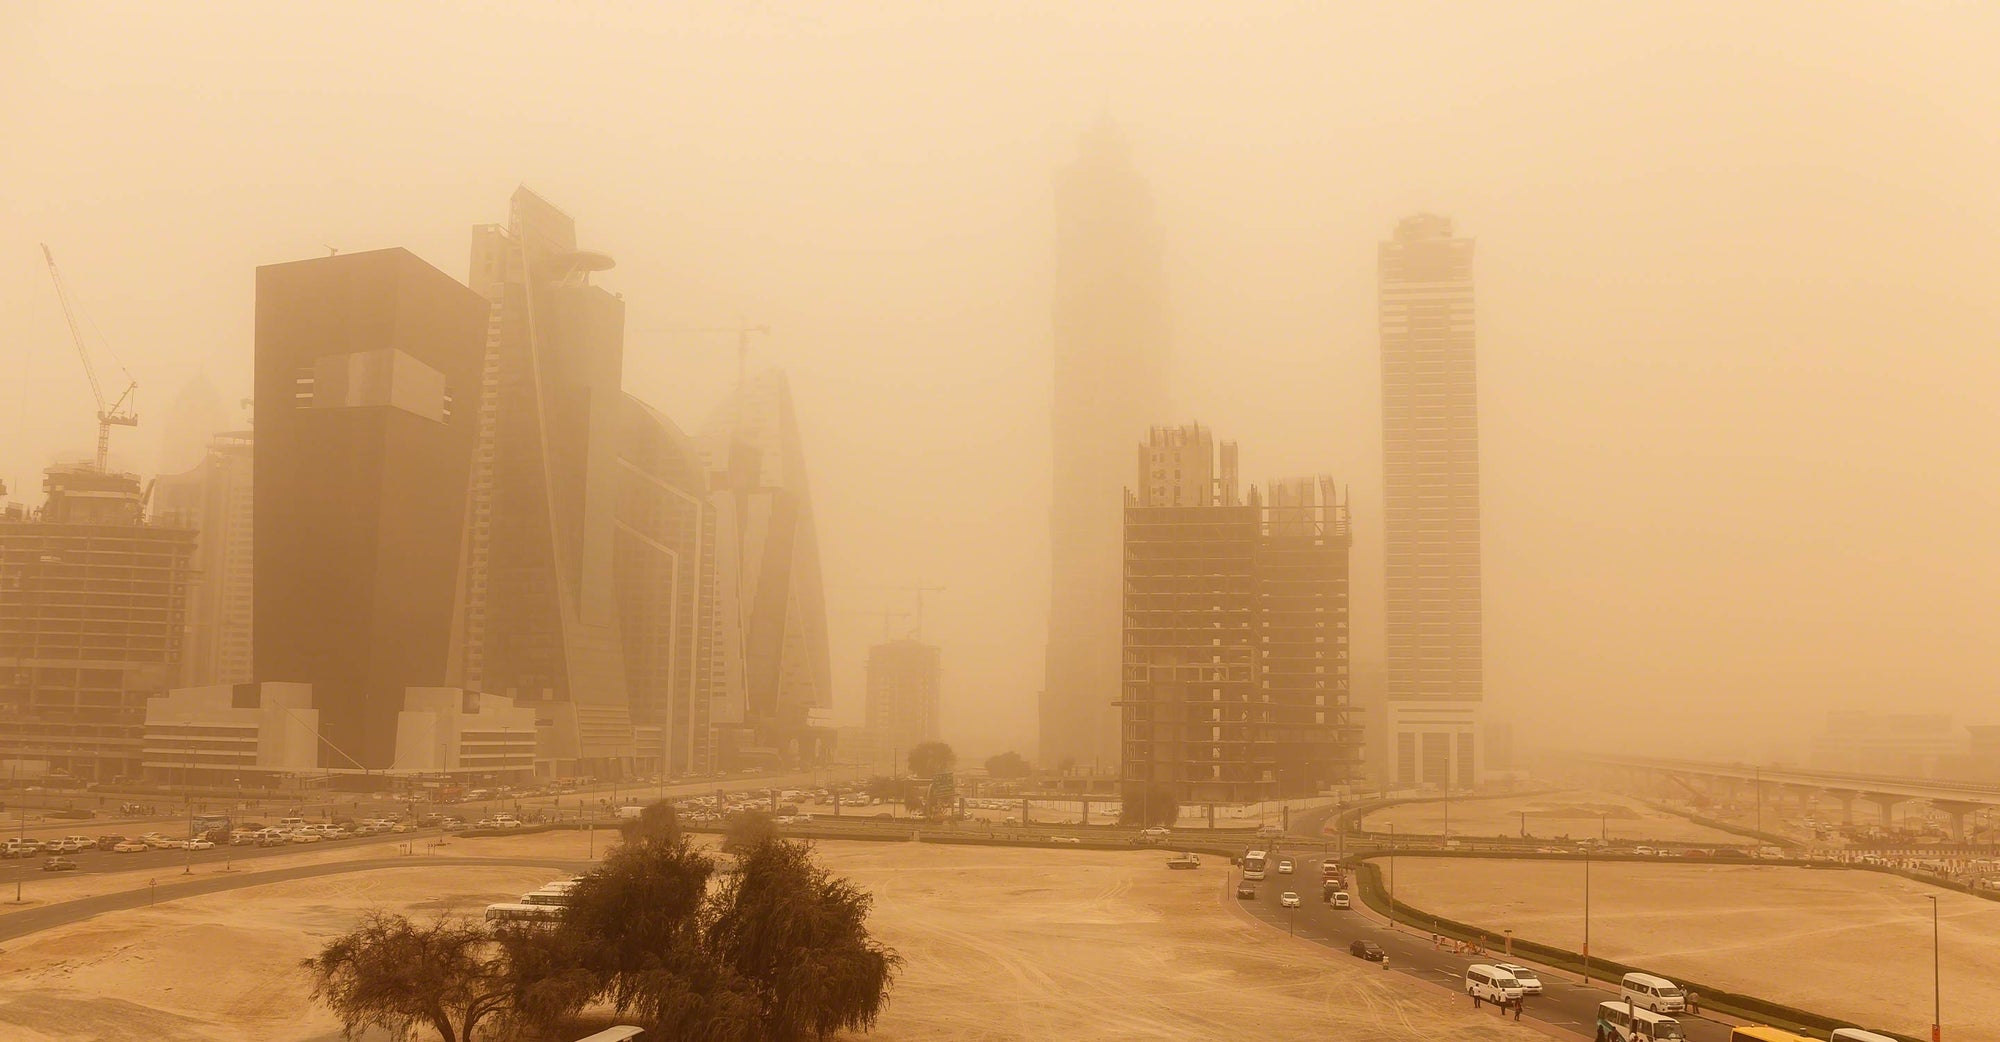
pixel 118 413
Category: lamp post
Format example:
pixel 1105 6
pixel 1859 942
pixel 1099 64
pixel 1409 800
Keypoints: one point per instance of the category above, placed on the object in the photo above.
pixel 1392 875
pixel 1937 987
pixel 1586 915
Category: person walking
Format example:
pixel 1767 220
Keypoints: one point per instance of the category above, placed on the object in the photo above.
pixel 1694 1002
pixel 1518 1003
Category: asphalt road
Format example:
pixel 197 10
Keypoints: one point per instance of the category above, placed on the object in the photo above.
pixel 31 920
pixel 1564 1003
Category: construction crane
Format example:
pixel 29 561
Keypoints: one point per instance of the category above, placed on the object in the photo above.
pixel 742 331
pixel 918 631
pixel 115 414
pixel 886 616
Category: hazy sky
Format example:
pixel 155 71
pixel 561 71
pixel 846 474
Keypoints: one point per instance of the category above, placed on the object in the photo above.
pixel 1737 276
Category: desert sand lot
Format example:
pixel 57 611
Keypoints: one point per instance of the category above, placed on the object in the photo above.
pixel 1001 944
pixel 1855 945
pixel 1576 814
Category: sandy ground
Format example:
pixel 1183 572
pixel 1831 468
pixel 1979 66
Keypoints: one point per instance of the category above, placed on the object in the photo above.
pixel 1855 945
pixel 1001 945
pixel 1576 814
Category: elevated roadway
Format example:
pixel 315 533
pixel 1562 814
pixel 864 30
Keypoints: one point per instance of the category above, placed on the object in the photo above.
pixel 1956 799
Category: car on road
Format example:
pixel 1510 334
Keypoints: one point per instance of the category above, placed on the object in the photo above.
pixel 131 846
pixel 1367 950
pixel 58 864
pixel 1491 984
pixel 159 842
pixel 1340 900
pixel 1064 839
pixel 1285 867
pixel 1246 892
pixel 1530 984
pixel 1329 866
pixel 1288 899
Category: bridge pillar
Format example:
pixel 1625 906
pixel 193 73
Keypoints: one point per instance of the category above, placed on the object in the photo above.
pixel 1845 798
pixel 1086 812
pixel 1885 801
pixel 1956 813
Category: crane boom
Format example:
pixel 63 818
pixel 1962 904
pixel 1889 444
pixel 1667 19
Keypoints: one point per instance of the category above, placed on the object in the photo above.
pixel 108 415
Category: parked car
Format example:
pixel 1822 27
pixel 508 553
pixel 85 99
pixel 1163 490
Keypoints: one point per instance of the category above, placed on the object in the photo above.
pixel 305 836
pixel 199 843
pixel 158 842
pixel 131 846
pixel 109 842
pixel 58 864
pixel 242 838
pixel 1367 950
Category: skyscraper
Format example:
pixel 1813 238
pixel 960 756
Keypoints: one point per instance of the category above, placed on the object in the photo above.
pixel 1111 343
pixel 93 609
pixel 904 678
pixel 1235 639
pixel 366 363
pixel 664 558
pixel 768 577
pixel 1430 443
pixel 540 609
pixel 216 499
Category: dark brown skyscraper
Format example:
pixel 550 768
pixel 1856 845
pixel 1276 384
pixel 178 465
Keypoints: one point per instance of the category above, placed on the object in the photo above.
pixel 1110 383
pixel 367 366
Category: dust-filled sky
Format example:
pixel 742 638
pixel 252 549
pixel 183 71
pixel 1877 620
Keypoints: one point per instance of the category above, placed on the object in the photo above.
pixel 1738 267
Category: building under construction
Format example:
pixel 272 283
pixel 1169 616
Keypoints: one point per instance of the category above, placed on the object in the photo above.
pixel 93 608
pixel 1236 629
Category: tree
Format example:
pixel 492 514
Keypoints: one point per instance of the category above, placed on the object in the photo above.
pixel 883 787
pixel 638 923
pixel 390 973
pixel 799 935
pixel 932 758
pixel 657 821
pixel 1007 765
pixel 746 829
pixel 1148 803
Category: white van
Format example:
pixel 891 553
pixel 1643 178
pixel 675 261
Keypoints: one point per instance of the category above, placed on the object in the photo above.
pixel 1617 1022
pixel 1858 1035
pixel 1491 984
pixel 1654 993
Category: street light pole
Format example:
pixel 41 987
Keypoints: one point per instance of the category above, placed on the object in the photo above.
pixel 1937 985
pixel 1586 915
pixel 1392 875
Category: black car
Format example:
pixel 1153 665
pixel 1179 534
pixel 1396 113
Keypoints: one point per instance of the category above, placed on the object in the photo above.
pixel 1367 950
pixel 1246 892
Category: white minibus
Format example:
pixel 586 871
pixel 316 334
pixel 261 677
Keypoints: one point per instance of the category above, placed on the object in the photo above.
pixel 1618 1022
pixel 1654 993
pixel 1491 984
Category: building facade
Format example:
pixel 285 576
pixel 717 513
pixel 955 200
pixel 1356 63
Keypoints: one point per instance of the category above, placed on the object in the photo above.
pixel 1111 356
pixel 1430 439
pixel 215 498
pixel 366 365
pixel 905 678
pixel 769 591
pixel 93 615
pixel 1235 655
pixel 539 616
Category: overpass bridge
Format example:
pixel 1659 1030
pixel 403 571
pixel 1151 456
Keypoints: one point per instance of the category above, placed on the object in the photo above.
pixel 1956 799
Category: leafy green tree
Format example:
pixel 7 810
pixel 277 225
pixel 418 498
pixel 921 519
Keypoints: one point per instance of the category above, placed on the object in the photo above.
pixel 1148 803
pixel 393 974
pixel 930 759
pixel 883 787
pixel 1007 766
pixel 800 935
pixel 657 821
pixel 745 829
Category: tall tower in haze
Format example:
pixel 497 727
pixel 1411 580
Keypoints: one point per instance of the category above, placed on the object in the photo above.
pixel 1110 326
pixel 1430 446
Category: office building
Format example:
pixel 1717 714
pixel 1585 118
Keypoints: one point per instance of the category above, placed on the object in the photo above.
pixel 93 612
pixel 680 657
pixel 215 499
pixel 1235 643
pixel 366 365
pixel 769 593
pixel 904 679
pixel 539 617
pixel 1430 442
pixel 1911 745
pixel 1111 344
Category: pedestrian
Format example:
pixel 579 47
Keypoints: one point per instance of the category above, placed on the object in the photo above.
pixel 1694 1002
pixel 1518 1004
